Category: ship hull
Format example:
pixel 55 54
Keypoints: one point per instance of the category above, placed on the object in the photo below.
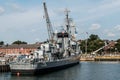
pixel 47 68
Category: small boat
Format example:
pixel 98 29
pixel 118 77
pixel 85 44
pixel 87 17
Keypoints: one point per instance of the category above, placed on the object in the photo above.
pixel 61 51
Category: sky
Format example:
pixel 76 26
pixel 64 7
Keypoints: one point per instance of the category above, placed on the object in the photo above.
pixel 24 19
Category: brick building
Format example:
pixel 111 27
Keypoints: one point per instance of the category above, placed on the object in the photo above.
pixel 110 44
pixel 18 49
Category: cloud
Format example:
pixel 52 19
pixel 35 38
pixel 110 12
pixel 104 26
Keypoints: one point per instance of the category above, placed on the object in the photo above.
pixel 2 10
pixel 117 27
pixel 25 19
pixel 105 8
pixel 37 39
pixel 110 34
pixel 27 25
pixel 19 20
pixel 15 7
pixel 95 27
pixel 33 30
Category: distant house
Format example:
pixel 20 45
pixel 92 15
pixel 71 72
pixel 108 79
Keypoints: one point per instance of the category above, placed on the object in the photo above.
pixel 18 49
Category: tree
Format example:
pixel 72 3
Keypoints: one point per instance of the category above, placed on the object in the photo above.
pixel 117 45
pixel 1 42
pixel 118 40
pixel 19 42
pixel 82 45
pixel 93 37
pixel 93 43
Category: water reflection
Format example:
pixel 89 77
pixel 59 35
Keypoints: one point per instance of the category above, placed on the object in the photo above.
pixel 84 71
pixel 66 74
pixel 5 76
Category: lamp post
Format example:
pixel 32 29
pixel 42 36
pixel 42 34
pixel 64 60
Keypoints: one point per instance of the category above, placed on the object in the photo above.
pixel 115 51
pixel 86 43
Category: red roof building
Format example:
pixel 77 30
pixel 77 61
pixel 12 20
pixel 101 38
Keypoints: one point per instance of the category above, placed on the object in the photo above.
pixel 18 49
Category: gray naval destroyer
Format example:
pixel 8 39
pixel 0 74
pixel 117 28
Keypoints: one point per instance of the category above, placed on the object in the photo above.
pixel 60 51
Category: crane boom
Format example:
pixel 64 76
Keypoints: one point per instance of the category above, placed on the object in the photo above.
pixel 49 25
pixel 100 48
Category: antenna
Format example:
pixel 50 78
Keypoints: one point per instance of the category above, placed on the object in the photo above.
pixel 67 19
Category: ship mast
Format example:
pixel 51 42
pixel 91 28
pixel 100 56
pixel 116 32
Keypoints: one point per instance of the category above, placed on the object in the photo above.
pixel 68 25
pixel 48 22
pixel 67 19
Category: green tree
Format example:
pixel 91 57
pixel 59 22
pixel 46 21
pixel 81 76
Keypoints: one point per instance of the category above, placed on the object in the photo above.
pixel 93 43
pixel 93 37
pixel 1 42
pixel 19 42
pixel 82 45
pixel 117 45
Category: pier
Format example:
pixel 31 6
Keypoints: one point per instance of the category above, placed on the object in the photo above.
pixel 107 58
pixel 88 57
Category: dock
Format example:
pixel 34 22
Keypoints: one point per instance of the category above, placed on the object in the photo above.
pixel 107 58
pixel 88 57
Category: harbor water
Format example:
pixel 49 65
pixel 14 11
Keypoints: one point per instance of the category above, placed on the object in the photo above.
pixel 83 71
